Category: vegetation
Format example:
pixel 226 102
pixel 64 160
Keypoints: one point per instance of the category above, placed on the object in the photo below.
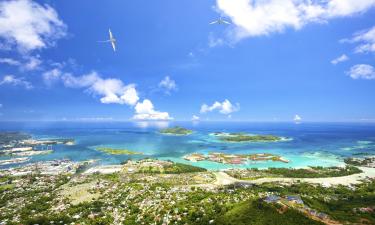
pixel 113 151
pixel 315 172
pixel 359 162
pixel 312 172
pixel 182 168
pixel 340 203
pixel 173 168
pixel 149 201
pixel 176 131
pixel 259 213
pixel 240 137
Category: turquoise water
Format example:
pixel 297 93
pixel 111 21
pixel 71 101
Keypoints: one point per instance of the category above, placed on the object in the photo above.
pixel 311 144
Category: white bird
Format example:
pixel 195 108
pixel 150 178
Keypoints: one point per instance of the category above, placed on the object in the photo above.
pixel 220 21
pixel 112 40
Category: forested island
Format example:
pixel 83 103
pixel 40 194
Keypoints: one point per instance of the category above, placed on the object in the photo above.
pixel 176 131
pixel 114 151
pixel 244 137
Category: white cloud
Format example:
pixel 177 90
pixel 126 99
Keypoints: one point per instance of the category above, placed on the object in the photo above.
pixel 12 80
pixel 297 118
pixel 340 59
pixel 168 84
pixel 111 90
pixel 263 17
pixel 29 63
pixel 145 111
pixel 10 61
pixel 225 107
pixel 29 25
pixel 32 63
pixel 52 76
pixel 362 71
pixel 366 38
pixel 195 118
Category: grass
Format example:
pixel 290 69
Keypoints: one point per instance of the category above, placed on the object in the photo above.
pixel 5 187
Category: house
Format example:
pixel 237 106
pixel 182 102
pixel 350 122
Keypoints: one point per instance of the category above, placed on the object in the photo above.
pixel 294 199
pixel 272 199
pixel 322 215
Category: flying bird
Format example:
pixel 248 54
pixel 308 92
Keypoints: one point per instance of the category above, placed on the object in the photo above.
pixel 220 21
pixel 112 40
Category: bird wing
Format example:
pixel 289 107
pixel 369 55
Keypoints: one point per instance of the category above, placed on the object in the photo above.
pixel 216 21
pixel 110 34
pixel 113 45
pixel 226 22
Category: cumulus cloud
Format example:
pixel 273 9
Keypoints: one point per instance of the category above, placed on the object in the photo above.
pixel 168 84
pixel 29 25
pixel 362 71
pixel 225 107
pixel 340 59
pixel 366 40
pixel 14 81
pixel 264 17
pixel 297 119
pixel 145 111
pixel 110 90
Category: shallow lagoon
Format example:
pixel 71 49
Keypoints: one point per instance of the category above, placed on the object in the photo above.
pixel 311 144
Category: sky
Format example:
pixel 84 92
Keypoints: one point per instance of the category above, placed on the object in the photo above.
pixel 277 60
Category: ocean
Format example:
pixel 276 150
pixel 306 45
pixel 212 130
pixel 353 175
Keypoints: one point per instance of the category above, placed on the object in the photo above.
pixel 309 144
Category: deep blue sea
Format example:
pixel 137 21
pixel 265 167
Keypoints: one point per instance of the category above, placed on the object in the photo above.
pixel 311 144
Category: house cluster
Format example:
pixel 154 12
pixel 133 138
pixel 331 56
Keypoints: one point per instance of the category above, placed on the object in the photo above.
pixel 53 167
pixel 22 145
pixel 370 209
pixel 133 166
pixel 297 203
pixel 25 191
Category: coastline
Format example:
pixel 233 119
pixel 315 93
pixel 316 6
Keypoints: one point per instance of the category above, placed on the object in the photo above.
pixel 223 178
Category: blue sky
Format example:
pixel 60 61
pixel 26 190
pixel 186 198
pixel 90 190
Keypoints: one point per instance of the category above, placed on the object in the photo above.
pixel 276 61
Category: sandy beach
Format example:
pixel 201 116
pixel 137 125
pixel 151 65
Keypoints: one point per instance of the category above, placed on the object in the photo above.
pixel 104 169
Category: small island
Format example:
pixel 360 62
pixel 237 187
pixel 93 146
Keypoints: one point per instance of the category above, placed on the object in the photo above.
pixel 234 158
pixel 176 131
pixel 244 137
pixel 113 151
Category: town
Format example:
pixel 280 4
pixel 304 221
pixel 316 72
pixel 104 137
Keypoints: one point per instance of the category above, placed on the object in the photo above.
pixel 151 191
